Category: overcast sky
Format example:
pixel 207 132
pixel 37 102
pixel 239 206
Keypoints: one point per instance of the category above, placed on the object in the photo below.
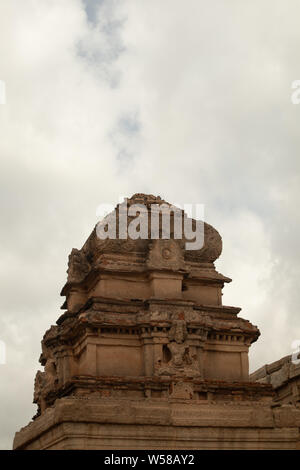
pixel 187 100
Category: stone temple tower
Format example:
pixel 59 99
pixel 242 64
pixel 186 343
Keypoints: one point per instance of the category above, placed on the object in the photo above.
pixel 145 356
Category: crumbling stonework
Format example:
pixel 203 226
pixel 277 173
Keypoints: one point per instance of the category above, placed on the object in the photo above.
pixel 146 356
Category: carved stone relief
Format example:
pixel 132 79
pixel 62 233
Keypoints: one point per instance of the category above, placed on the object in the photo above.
pixel 78 266
pixel 178 359
pixel 165 254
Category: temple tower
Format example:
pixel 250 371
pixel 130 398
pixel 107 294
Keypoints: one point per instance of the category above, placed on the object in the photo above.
pixel 145 356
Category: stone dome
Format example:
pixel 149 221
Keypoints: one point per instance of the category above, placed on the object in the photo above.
pixel 210 251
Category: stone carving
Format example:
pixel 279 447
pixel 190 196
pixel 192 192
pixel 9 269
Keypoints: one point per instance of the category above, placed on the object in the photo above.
pixel 181 361
pixel 39 385
pixel 181 390
pixel 284 376
pixel 178 331
pixel 51 333
pixel 211 250
pixel 158 315
pixel 141 198
pixel 165 254
pixel 46 381
pixel 78 266
pixel 145 340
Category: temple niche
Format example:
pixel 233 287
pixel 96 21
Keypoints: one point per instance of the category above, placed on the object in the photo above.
pixel 146 356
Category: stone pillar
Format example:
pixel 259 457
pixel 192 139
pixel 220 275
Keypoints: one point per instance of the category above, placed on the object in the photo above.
pixel 148 356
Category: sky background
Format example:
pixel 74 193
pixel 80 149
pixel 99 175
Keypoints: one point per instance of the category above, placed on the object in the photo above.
pixel 187 100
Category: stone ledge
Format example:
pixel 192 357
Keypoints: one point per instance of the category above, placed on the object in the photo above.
pixel 248 421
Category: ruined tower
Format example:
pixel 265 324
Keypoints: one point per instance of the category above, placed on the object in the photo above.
pixel 145 355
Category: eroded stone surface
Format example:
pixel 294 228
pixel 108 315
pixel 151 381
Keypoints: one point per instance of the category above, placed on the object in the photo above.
pixel 145 341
